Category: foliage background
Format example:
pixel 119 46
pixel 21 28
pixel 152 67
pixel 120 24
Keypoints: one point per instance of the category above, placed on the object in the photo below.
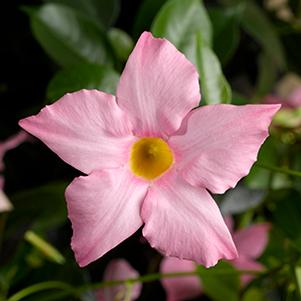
pixel 255 46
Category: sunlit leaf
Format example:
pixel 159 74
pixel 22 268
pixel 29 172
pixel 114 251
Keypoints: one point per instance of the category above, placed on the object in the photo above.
pixel 214 86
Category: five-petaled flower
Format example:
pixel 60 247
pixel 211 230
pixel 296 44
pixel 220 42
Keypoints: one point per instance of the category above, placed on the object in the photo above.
pixel 150 158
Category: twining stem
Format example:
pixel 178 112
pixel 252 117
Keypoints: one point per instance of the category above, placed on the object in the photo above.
pixel 279 169
pixel 76 291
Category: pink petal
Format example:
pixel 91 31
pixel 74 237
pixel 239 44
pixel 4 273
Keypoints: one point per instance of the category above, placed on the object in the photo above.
pixel 243 263
pixel 86 129
pixel 229 223
pixel 104 209
pixel 119 269
pixel 5 204
pixel 184 221
pixel 158 87
pixel 221 144
pixel 294 99
pixel 252 241
pixel 180 288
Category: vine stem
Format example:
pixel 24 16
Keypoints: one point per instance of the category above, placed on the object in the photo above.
pixel 70 290
pixel 279 169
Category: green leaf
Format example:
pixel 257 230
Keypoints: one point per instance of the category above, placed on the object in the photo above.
pixel 267 75
pixel 100 11
pixel 121 42
pixel 220 287
pixel 298 277
pixel 254 294
pixel 39 208
pixel 257 24
pixel 214 85
pixel 226 33
pixel 180 20
pixel 287 217
pixel 82 76
pixel 68 36
pixel 145 16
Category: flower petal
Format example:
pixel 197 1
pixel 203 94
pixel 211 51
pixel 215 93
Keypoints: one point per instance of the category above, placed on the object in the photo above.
pixel 158 87
pixel 221 144
pixel 86 129
pixel 180 288
pixel 5 204
pixel 252 241
pixel 119 269
pixel 104 209
pixel 243 263
pixel 184 221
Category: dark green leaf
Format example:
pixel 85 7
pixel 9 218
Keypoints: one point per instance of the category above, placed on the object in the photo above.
pixel 180 20
pixel 121 42
pixel 221 282
pixel 83 76
pixel 267 75
pixel 40 208
pixel 146 13
pixel 287 217
pixel 257 24
pixel 69 37
pixel 226 33
pixel 253 294
pixel 214 85
pixel 101 11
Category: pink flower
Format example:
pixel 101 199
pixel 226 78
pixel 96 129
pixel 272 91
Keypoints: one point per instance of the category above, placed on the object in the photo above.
pixel 5 146
pixel 250 242
pixel 119 269
pixel 292 101
pixel 146 163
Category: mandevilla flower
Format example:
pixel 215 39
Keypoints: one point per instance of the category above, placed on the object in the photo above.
pixel 119 269
pixel 250 242
pixel 150 159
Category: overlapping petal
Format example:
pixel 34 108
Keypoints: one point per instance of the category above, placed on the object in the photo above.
pixel 119 269
pixel 104 209
pixel 184 221
pixel 252 241
pixel 86 129
pixel 244 263
pixel 158 87
pixel 180 288
pixel 221 144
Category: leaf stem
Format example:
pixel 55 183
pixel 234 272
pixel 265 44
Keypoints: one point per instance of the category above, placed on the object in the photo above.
pixel 70 290
pixel 279 169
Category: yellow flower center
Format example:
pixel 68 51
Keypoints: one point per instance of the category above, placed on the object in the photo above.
pixel 150 158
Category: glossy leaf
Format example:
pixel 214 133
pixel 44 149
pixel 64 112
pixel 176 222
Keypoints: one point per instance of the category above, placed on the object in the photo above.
pixel 226 33
pixel 121 43
pixel 214 86
pixel 82 76
pixel 257 24
pixel 68 36
pixel 102 12
pixel 146 13
pixel 180 20
pixel 220 287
